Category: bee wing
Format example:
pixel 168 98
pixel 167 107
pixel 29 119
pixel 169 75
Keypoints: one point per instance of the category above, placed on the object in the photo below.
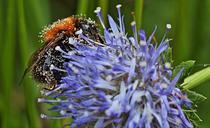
pixel 35 57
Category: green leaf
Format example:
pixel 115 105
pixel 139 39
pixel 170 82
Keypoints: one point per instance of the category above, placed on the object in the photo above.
pixel 187 65
pixel 195 97
pixel 193 117
pixel 196 78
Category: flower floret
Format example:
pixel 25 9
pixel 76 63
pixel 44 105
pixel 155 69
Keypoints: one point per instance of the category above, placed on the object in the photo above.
pixel 125 83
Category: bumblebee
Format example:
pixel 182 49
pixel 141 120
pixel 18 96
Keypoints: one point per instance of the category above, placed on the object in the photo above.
pixel 47 63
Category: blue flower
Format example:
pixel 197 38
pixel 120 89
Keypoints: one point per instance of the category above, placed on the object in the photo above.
pixel 125 82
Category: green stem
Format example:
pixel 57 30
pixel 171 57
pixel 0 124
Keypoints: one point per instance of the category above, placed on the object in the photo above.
pixel 184 29
pixel 138 12
pixel 104 5
pixel 82 6
pixel 196 78
pixel 28 90
pixel 1 25
pixel 7 63
pixel 40 12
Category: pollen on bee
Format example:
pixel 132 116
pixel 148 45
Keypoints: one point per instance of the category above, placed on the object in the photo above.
pixel 43 116
pixel 66 25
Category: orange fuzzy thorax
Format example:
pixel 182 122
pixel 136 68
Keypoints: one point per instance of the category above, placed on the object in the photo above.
pixel 67 25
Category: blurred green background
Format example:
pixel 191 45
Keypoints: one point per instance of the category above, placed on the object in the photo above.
pixel 22 20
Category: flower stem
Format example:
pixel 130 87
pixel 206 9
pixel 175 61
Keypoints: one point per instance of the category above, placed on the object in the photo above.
pixel 138 12
pixel 7 63
pixel 104 4
pixel 82 6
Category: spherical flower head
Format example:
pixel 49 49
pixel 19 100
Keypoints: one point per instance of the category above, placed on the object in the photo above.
pixel 124 83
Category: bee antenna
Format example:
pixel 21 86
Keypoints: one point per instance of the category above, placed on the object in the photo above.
pixel 23 76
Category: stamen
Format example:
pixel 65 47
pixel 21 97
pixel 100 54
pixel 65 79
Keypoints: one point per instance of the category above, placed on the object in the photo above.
pixel 90 41
pixel 53 91
pixel 78 32
pixel 42 92
pixel 86 39
pixel 73 68
pixel 168 26
pixel 141 84
pixel 163 85
pixel 43 116
pixel 120 17
pixel 133 25
pixel 98 13
pixel 109 78
pixel 42 100
pixel 62 112
pixel 118 6
pixel 70 53
pixel 86 113
pixel 143 63
pixel 70 106
pixel 143 42
pixel 58 48
pixel 167 65
pixel 72 41
pixel 168 40
pixel 58 99
pixel 52 67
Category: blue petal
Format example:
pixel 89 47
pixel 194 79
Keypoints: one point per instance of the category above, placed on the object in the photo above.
pixel 113 26
pixel 99 123
pixel 142 35
pixel 151 36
